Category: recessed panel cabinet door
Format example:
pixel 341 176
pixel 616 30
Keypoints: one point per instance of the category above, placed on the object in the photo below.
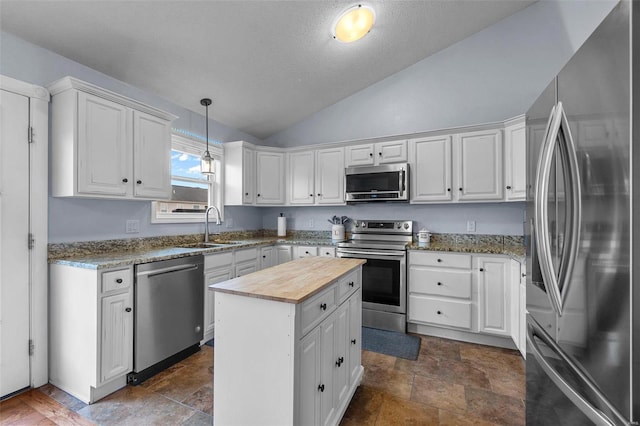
pixel 151 157
pixel 480 168
pixel 117 336
pixel 310 382
pixel 270 178
pixel 212 277
pixel 431 168
pixel 330 176
pixel 515 150
pixel 104 156
pixel 301 177
pixel 493 296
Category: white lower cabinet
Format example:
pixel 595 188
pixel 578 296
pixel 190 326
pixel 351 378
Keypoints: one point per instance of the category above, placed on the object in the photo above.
pixel 326 251
pixel 217 268
pixel 267 257
pixel 464 296
pixel 283 254
pixel 90 330
pixel 246 261
pixel 304 251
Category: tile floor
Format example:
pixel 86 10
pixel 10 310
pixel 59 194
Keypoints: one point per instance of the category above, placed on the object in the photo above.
pixel 451 383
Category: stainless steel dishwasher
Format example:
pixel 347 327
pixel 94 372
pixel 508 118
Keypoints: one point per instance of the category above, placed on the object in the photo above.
pixel 169 314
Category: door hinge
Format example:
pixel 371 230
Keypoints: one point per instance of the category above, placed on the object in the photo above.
pixel 31 241
pixel 30 134
pixel 31 347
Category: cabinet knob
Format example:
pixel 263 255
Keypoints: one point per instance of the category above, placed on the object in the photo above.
pixel 353 341
pixel 371 154
pixel 524 275
pixel 481 269
pixel 439 312
pixel 310 195
pixel 258 195
pixel 379 154
pixel 508 186
pixel 448 189
pixel 318 195
pixel 246 193
pixel 339 361
pixel 139 182
pixel 326 253
pixel 460 189
pixel 306 252
pixel 439 260
pixel 350 282
pixel 439 283
pixel 127 309
pixel 264 256
pixel 119 280
pixel 323 306
pixel 125 180
pixel 321 388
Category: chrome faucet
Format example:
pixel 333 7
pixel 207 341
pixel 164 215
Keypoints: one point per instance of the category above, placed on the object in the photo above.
pixel 206 221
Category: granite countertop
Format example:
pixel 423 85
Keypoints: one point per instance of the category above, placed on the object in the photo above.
pixel 469 243
pixel 291 282
pixel 116 253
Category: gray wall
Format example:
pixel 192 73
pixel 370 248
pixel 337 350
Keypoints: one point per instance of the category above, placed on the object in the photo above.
pixel 491 76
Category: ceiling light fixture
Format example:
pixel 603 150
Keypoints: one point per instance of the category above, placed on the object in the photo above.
pixel 354 23
pixel 206 162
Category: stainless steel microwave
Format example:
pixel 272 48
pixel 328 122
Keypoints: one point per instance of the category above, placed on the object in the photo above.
pixel 389 182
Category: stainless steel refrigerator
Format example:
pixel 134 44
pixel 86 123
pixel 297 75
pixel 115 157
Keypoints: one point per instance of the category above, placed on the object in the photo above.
pixel 583 297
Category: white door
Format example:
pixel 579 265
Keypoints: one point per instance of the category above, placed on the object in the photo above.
pixel 301 174
pixel 431 168
pixel 330 176
pixel 270 178
pixel 248 176
pixel 479 162
pixel 14 251
pixel 391 152
pixel 515 148
pixel 117 335
pixel 104 147
pixel 359 155
pixel 493 296
pixel 151 156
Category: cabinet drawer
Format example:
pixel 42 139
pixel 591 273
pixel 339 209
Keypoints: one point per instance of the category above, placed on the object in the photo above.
pixel 212 261
pixel 347 285
pixel 327 251
pixel 246 268
pixel 116 280
pixel 246 255
pixel 315 309
pixel 440 282
pixel 443 260
pixel 305 251
pixel 439 311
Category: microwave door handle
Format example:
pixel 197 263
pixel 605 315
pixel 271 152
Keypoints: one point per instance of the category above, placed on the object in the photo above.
pixel 535 330
pixel 541 218
pixel 401 181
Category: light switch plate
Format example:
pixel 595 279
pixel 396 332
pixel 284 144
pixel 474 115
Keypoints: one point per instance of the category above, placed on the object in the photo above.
pixel 471 226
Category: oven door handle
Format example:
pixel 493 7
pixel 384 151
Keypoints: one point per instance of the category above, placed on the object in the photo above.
pixel 374 253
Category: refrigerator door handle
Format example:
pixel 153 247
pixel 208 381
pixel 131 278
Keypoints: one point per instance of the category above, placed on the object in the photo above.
pixel 570 250
pixel 534 329
pixel 541 218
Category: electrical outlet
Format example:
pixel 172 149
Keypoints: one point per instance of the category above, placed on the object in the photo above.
pixel 311 223
pixel 132 227
pixel 471 226
pixel 228 223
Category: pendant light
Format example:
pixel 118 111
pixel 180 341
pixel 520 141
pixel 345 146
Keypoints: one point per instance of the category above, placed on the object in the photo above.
pixel 206 162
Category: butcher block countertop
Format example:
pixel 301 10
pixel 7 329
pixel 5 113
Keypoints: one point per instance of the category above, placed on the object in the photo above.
pixel 291 282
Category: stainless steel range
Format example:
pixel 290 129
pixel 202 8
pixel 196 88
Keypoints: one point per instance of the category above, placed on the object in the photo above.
pixel 383 243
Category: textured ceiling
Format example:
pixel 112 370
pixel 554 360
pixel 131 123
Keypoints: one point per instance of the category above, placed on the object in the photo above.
pixel 265 64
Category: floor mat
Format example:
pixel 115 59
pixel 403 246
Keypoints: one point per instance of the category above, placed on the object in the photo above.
pixel 390 343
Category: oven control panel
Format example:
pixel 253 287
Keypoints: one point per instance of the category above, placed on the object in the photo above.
pixel 383 226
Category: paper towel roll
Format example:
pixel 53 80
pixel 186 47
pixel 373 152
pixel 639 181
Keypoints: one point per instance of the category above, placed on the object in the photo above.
pixel 282 226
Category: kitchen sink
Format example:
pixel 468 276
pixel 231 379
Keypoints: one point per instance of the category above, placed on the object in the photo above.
pixel 211 244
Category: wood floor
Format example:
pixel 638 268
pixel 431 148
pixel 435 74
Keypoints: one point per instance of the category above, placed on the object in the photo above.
pixel 451 383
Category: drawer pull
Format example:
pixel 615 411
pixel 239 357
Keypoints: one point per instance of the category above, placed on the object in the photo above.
pixel 439 283
pixel 353 341
pixel 125 180
pixel 481 269
pixel 127 309
pixel 119 280
pixel 439 260
pixel 439 312
pixel 323 306
pixel 321 388
pixel 351 283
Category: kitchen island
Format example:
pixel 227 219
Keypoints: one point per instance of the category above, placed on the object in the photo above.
pixel 287 343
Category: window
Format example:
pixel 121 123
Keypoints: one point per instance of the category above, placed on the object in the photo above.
pixel 191 191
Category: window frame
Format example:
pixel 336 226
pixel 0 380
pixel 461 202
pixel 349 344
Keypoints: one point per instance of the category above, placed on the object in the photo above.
pixel 190 145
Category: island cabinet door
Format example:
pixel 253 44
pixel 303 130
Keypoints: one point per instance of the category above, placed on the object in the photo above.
pixel 310 381
pixel 355 334
pixel 341 355
pixel 327 365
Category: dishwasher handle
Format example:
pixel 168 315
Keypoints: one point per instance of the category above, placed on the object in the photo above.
pixel 167 270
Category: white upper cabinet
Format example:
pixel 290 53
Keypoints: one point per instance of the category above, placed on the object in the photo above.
pixel 515 153
pixel 269 178
pixel 329 182
pixel 301 177
pixel 375 154
pixel 253 176
pixel 107 146
pixel 431 168
pixel 479 165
